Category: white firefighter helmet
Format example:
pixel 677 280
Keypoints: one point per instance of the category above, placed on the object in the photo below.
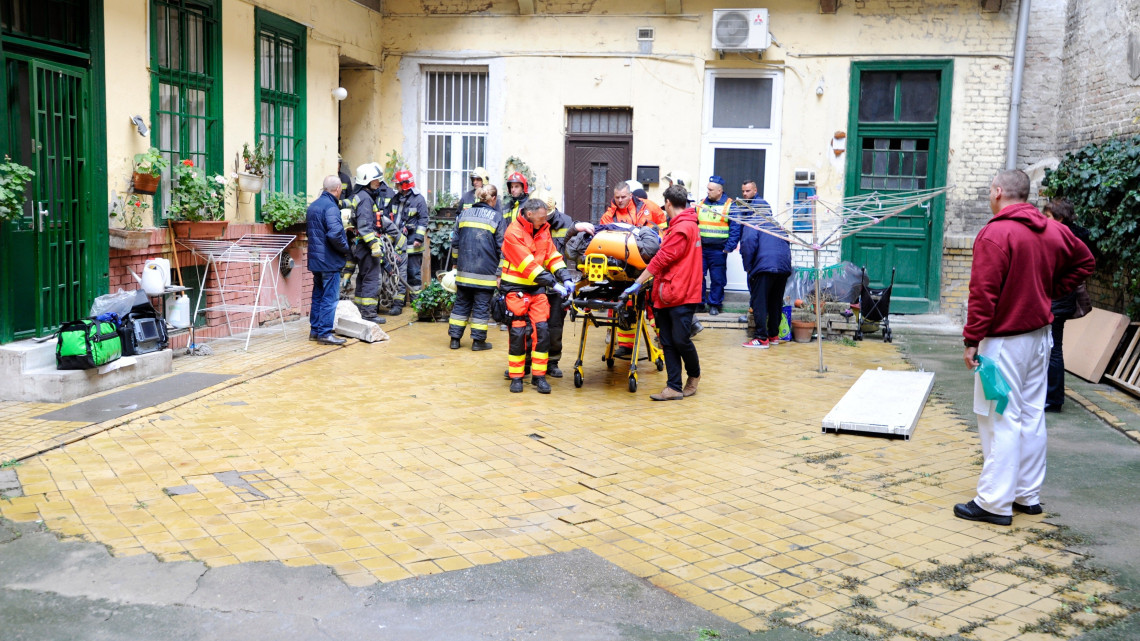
pixel 678 178
pixel 481 174
pixel 547 196
pixel 447 281
pixel 634 185
pixel 367 172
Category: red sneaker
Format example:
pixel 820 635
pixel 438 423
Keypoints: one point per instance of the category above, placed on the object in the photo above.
pixel 756 343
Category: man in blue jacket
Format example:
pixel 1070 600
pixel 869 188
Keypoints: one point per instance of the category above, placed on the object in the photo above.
pixel 328 250
pixel 768 263
pixel 719 237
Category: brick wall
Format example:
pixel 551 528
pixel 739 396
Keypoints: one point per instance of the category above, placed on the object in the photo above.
pixel 295 289
pixel 1041 91
pixel 957 255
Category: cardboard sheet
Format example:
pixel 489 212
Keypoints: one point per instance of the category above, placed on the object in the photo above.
pixel 882 402
pixel 1091 341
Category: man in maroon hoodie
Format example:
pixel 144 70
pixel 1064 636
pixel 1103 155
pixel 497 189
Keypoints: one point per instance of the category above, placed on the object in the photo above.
pixel 1022 260
pixel 677 279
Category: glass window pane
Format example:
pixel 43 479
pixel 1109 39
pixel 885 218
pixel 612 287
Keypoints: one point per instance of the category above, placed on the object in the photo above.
pixel 919 96
pixel 742 103
pixel 286 52
pixel 877 96
pixel 266 62
pixel 287 121
pixel 737 166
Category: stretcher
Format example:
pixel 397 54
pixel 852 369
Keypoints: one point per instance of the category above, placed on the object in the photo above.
pixel 610 265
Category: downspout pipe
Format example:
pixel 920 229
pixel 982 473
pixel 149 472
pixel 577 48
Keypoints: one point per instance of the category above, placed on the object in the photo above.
pixel 1018 75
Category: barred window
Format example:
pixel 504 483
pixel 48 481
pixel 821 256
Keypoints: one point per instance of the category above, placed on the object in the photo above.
pixel 281 99
pixel 455 128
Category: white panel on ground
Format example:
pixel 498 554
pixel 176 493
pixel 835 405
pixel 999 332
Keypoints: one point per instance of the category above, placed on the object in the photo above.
pixel 882 402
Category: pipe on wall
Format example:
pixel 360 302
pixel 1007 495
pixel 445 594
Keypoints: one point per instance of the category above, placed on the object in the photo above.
pixel 1018 75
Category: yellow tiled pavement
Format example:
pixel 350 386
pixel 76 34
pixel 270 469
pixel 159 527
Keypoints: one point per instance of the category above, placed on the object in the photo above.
pixel 403 459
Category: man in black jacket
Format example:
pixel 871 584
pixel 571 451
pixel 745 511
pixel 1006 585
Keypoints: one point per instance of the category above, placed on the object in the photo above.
pixel 328 249
pixel 409 210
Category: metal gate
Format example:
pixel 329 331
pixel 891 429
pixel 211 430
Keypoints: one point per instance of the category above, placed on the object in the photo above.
pixel 48 258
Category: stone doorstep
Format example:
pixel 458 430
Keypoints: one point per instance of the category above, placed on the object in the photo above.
pixel 29 374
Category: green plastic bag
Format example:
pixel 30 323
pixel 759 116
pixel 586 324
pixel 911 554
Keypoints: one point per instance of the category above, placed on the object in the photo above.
pixel 994 385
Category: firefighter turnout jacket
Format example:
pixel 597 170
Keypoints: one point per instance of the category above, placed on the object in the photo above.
pixel 561 228
pixel 530 262
pixel 363 219
pixel 476 246
pixel 409 210
pixel 511 212
pixel 468 201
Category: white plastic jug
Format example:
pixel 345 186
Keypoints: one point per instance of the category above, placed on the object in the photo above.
pixel 152 279
pixel 163 268
pixel 179 315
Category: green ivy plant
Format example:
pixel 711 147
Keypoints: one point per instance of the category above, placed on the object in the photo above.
pixel 258 160
pixel 395 163
pixel 433 301
pixel 1102 180
pixel 151 162
pixel 196 197
pixel 444 200
pixel 439 236
pixel 282 210
pixel 14 179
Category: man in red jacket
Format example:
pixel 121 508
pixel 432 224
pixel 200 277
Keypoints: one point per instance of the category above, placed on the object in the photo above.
pixel 677 277
pixel 1022 260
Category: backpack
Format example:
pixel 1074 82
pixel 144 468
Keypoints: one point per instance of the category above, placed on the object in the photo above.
pixel 86 344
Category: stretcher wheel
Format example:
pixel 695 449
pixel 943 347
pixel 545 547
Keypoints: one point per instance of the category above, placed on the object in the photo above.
pixel 610 362
pixel 577 379
pixel 632 384
pixel 887 336
pixel 660 363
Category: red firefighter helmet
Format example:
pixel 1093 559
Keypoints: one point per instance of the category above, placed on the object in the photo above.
pixel 518 178
pixel 404 179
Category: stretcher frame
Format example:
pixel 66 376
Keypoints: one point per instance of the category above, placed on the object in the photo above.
pixel 601 289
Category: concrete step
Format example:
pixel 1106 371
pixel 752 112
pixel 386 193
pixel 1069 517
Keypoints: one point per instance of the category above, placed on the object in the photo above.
pixel 28 373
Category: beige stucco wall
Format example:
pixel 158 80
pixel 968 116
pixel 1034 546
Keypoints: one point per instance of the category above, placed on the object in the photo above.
pixel 335 28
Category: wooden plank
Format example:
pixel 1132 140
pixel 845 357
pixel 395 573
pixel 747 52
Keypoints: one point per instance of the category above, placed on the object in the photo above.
pixel 1091 341
pixel 882 402
pixel 1128 368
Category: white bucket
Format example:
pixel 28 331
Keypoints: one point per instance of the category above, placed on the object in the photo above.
pixel 163 268
pixel 179 315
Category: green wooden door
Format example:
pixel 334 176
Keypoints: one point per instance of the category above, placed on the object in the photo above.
pixel 899 142
pixel 49 131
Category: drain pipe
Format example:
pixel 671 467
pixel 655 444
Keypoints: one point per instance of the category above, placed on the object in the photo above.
pixel 1018 75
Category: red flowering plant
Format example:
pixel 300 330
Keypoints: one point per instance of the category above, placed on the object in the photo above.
pixel 194 196
pixel 130 211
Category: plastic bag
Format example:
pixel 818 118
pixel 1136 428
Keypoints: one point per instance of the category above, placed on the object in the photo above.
pixel 994 385
pixel 119 303
pixel 838 282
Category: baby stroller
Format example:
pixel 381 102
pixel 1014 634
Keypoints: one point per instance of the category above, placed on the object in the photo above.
pixel 874 308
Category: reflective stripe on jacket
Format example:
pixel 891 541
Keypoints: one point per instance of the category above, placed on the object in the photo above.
pixel 409 211
pixel 638 212
pixel 712 218
pixel 476 246
pixel 530 259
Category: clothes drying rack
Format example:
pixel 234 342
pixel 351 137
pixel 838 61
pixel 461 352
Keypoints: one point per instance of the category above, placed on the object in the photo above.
pixel 234 285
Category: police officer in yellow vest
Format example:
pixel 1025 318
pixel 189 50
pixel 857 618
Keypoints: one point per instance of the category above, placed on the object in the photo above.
pixel 719 237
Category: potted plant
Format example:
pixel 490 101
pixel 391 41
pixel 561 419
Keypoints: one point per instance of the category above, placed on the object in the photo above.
pixel 283 211
pixel 445 205
pixel 433 302
pixel 803 320
pixel 197 203
pixel 129 211
pixel 257 162
pixel 148 171
pixel 14 179
pixel 439 242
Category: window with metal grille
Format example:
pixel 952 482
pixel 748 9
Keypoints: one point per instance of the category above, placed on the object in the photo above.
pixel 186 63
pixel 59 22
pixel 281 99
pixel 455 128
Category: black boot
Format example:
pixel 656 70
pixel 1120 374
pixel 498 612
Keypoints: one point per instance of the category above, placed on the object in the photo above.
pixel 540 383
pixel 517 385
pixel 553 371
pixel 454 343
pixel 479 346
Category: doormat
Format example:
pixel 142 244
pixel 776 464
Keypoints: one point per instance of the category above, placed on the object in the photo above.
pixel 882 402
pixel 134 399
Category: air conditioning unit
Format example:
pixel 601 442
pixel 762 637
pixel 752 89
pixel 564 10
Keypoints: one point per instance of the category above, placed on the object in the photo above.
pixel 740 30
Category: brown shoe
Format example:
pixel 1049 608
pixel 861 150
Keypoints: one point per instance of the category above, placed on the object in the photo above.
pixel 691 385
pixel 668 394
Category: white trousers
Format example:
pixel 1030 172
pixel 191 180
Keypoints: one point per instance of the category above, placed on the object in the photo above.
pixel 1013 443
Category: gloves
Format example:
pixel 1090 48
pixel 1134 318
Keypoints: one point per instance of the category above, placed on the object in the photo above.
pixel 631 290
pixel 375 249
pixel 561 289
pixel 344 281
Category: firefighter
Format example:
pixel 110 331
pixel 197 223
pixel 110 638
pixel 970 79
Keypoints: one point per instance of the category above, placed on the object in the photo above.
pixel 519 190
pixel 719 237
pixel 479 178
pixel 409 211
pixel 476 248
pixel 531 264
pixel 366 248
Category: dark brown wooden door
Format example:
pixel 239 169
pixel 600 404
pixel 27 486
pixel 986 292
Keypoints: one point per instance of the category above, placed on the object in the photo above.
pixel 594 164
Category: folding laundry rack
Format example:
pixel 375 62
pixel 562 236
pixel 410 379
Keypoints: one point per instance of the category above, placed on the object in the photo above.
pixel 235 285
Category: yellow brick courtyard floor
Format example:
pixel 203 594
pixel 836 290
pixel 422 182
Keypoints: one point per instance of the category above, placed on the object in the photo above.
pixel 405 458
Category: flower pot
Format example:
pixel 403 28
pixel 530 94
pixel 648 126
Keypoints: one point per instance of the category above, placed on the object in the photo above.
pixel 295 229
pixel 199 229
pixel 145 183
pixel 802 330
pixel 251 183
pixel 129 239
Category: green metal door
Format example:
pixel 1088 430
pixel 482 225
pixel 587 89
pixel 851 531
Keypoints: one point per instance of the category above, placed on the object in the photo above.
pixel 899 142
pixel 48 130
